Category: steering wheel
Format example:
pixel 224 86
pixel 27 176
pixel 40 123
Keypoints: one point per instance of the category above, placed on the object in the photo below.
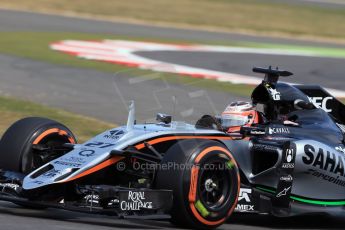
pixel 208 122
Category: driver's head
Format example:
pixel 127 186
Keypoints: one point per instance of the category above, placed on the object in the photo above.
pixel 239 114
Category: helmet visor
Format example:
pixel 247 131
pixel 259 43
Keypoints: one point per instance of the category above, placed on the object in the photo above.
pixel 231 120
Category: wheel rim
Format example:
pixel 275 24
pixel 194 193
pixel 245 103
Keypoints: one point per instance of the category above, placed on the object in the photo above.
pixel 41 158
pixel 215 184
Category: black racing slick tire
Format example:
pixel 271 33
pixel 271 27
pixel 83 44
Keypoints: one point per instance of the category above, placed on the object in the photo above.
pixel 16 152
pixel 205 181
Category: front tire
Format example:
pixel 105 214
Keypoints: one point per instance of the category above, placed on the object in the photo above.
pixel 205 181
pixel 16 152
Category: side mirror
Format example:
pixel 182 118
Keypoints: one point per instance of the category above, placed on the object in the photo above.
pixel 164 118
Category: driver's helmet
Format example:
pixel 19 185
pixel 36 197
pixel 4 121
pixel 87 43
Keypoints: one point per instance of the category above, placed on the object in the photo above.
pixel 238 114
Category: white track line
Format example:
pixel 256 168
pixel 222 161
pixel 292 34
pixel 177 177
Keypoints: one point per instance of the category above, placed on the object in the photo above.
pixel 123 52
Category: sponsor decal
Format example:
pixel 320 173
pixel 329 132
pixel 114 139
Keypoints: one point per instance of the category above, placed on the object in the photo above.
pixel 324 160
pixel 257 132
pixel 244 208
pixel 80 160
pixel 114 134
pixel 244 194
pixel 278 138
pixel 244 201
pixel 289 155
pixel 340 149
pixel 87 153
pixel 289 160
pixel 275 94
pixel 288 165
pixel 69 164
pixel 100 145
pixel 92 199
pixel 321 102
pixel 71 161
pixel 135 202
pixel 284 192
pixel 9 185
pixel 74 159
pixel 287 178
pixel 113 202
pixel 334 180
pixel 278 130
pixel 52 173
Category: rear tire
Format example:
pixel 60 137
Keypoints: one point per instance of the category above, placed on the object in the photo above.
pixel 16 152
pixel 206 191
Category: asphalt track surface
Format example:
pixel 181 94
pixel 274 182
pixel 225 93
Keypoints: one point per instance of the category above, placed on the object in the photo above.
pixel 104 95
pixel 94 93
pixel 13 217
pixel 328 72
pixel 97 94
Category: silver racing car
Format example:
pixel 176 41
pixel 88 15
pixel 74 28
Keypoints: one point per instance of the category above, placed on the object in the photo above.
pixel 285 157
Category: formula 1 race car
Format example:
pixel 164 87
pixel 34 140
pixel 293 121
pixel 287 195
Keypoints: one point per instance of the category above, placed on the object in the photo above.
pixel 290 162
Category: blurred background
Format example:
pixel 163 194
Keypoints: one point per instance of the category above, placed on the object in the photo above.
pixel 80 62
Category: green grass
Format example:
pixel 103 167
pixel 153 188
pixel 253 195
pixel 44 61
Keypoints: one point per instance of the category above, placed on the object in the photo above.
pixel 264 17
pixel 314 51
pixel 36 46
pixel 83 127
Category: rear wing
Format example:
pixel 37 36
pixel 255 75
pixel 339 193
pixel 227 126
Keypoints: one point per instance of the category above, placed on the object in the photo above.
pixel 324 100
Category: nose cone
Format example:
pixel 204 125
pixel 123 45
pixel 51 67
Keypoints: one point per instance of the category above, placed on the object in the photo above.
pixel 46 175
